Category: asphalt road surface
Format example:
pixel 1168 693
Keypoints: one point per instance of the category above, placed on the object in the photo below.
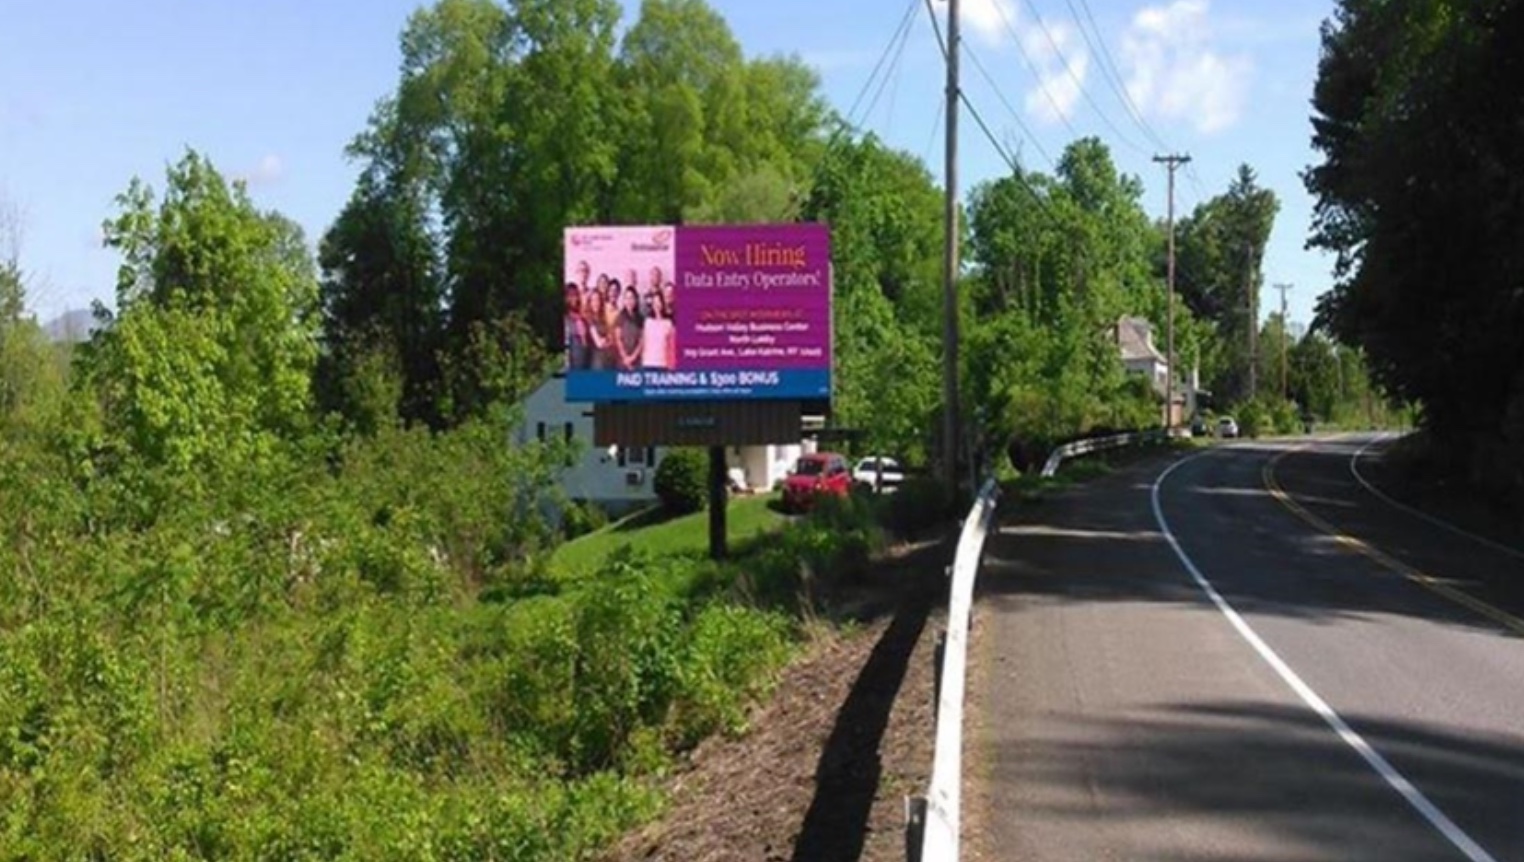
pixel 1247 654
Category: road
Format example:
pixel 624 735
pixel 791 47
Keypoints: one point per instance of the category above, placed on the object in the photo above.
pixel 1246 654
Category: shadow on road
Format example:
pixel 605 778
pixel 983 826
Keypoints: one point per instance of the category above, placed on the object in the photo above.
pixel 1276 777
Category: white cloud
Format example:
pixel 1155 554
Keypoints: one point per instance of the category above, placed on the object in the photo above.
pixel 1175 73
pixel 990 20
pixel 1062 64
pixel 269 170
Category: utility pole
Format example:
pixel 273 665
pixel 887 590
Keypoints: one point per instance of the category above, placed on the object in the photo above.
pixel 1171 161
pixel 950 435
pixel 1285 393
pixel 1251 296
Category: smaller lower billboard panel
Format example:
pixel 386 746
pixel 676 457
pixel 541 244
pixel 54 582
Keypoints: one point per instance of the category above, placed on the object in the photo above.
pixel 698 313
pixel 746 422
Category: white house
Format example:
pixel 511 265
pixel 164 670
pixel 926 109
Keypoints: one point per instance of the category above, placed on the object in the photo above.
pixel 622 478
pixel 1135 340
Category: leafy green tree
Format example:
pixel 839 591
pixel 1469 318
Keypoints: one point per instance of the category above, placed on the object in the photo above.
pixel 1316 375
pixel 1059 260
pixel 212 348
pixel 1418 195
pixel 1219 250
pixel 884 213
pixel 382 300
pixel 513 120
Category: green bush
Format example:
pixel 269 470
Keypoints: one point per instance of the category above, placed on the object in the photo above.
pixel 682 481
pixel 581 517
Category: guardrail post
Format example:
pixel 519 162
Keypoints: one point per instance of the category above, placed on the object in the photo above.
pixel 915 827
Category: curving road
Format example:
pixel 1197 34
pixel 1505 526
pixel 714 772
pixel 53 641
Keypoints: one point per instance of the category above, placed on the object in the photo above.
pixel 1247 654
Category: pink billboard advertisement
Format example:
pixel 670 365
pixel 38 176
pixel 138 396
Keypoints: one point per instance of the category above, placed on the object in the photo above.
pixel 703 312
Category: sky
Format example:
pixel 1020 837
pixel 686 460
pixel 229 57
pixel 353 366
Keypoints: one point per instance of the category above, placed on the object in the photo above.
pixel 95 92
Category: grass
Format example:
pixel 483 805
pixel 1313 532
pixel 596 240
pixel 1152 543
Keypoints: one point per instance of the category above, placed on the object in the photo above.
pixel 747 519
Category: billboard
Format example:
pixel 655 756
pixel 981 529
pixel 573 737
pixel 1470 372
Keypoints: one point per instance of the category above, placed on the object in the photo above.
pixel 661 313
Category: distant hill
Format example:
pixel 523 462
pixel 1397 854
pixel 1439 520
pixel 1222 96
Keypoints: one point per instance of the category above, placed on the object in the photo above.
pixel 72 326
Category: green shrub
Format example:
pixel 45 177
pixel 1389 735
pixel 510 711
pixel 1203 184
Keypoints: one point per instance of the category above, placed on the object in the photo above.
pixel 682 481
pixel 731 656
pixel 581 517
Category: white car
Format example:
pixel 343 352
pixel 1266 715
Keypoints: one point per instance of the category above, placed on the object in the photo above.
pixel 878 473
pixel 1227 427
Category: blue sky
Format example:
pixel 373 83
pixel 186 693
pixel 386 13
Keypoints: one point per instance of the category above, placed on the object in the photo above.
pixel 93 92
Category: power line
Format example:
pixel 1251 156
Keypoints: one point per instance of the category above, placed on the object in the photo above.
pixel 903 36
pixel 1011 109
pixel 1063 60
pixel 1036 76
pixel 896 39
pixel 1010 161
pixel 1113 75
pixel 936 28
pixel 931 139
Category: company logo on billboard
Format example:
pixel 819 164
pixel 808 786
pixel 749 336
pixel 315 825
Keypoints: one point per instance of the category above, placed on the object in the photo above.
pixel 579 240
pixel 659 241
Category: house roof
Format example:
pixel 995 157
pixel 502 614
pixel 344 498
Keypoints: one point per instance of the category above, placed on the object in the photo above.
pixel 1135 339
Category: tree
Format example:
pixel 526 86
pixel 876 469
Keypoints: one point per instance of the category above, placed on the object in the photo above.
pixel 1316 375
pixel 1419 196
pixel 211 351
pixel 512 121
pixel 1059 259
pixel 382 300
pixel 12 279
pixel 884 213
pixel 1220 248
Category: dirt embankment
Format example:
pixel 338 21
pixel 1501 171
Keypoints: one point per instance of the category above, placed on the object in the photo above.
pixel 824 771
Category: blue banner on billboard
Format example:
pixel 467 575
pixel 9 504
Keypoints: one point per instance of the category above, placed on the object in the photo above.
pixel 801 384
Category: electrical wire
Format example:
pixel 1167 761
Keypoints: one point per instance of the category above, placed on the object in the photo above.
pixel 1016 170
pixel 936 28
pixel 1113 75
pixel 1011 109
pixel 1068 69
pixel 931 137
pixel 897 39
pixel 903 36
pixel 1042 85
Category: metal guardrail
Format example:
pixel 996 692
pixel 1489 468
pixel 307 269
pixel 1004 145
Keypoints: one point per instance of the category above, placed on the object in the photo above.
pixel 933 820
pixel 1096 444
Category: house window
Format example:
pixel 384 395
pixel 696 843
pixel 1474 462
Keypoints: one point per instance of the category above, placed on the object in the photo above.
pixel 571 433
pixel 539 431
pixel 637 456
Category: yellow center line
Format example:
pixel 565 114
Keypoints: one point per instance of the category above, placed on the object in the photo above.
pixel 1428 582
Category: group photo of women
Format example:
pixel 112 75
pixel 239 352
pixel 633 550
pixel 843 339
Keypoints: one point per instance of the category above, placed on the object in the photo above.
pixel 614 324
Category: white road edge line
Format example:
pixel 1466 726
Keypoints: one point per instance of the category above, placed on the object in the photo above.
pixel 1414 797
pixel 1354 468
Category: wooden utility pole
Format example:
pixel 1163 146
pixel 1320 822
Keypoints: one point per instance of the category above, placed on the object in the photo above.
pixel 1285 325
pixel 1172 161
pixel 950 433
pixel 1251 297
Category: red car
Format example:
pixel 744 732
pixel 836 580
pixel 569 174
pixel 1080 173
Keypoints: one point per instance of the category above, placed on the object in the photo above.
pixel 820 473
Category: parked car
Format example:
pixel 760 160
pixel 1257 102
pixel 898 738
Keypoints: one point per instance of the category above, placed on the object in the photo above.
pixel 1198 426
pixel 815 475
pixel 878 473
pixel 1227 427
